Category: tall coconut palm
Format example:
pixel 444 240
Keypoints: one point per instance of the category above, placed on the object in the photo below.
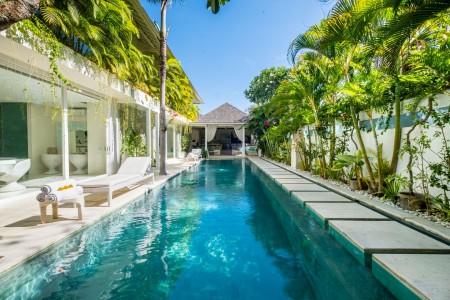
pixel 323 40
pixel 309 80
pixel 214 5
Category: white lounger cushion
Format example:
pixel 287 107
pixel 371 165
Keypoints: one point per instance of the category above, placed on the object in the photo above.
pixel 111 180
pixel 132 171
pixel 135 165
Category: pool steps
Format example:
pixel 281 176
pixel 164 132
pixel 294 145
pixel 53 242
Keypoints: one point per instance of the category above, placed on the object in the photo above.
pixel 409 263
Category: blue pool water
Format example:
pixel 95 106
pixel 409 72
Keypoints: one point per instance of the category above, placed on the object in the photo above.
pixel 220 231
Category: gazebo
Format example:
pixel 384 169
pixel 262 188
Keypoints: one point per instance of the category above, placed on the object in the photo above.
pixel 221 131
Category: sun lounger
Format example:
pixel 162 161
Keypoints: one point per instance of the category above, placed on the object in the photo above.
pixel 133 170
pixel 195 155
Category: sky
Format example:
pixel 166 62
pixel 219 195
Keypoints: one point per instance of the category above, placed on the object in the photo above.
pixel 222 53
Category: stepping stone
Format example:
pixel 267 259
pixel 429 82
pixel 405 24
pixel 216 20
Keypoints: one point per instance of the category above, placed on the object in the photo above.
pixel 283 176
pixel 364 238
pixel 303 187
pixel 304 197
pixel 278 173
pixel 324 212
pixel 414 276
pixel 291 180
pixel 276 170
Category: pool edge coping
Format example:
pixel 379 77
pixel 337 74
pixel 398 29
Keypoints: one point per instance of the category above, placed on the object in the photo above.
pixel 427 227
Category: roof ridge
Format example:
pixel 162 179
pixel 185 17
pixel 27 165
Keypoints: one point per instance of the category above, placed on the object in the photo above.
pixel 225 113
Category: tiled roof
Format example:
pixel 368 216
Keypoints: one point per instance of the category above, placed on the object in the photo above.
pixel 226 113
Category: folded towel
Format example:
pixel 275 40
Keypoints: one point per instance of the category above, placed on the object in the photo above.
pixel 41 197
pixel 53 197
pixel 58 186
pixel 46 189
pixel 56 196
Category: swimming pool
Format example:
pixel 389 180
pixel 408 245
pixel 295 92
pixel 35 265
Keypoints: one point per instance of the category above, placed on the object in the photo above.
pixel 220 231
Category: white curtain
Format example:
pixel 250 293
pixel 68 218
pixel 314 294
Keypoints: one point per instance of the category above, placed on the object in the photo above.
pixel 239 130
pixel 211 132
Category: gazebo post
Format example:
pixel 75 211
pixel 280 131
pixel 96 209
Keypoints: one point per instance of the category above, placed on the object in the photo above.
pixel 206 139
pixel 243 141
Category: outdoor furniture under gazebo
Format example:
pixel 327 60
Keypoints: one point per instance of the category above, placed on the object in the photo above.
pixel 221 131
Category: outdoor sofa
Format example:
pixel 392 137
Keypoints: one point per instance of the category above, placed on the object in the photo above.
pixel 251 151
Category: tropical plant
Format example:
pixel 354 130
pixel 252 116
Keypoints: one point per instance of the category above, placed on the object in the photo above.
pixel 186 142
pixel 383 30
pixel 393 184
pixel 440 169
pixel 353 164
pixel 264 86
pixel 133 144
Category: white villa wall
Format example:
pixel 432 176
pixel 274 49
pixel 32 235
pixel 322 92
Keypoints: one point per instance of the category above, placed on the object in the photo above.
pixel 96 127
pixel 41 135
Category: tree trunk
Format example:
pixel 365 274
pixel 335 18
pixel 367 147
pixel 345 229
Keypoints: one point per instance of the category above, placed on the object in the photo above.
pixel 332 144
pixel 162 90
pixel 379 149
pixel 409 166
pixel 363 148
pixel 310 149
pixel 13 11
pixel 397 130
pixel 319 142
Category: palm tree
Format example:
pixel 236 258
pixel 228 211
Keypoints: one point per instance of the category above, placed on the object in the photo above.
pixel 214 5
pixel 323 40
pixel 16 10
pixel 384 27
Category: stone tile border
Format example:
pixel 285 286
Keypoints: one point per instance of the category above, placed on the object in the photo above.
pixel 425 226
pixel 409 263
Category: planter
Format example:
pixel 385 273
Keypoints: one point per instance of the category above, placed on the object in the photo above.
pixel 411 202
pixel 353 183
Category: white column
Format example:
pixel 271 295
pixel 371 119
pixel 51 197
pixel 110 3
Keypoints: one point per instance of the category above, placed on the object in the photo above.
pixel 116 138
pixel 179 143
pixel 148 132
pixel 65 133
pixel 110 144
pixel 293 152
pixel 165 144
pixel 206 138
pixel 157 141
pixel 174 130
pixel 243 141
